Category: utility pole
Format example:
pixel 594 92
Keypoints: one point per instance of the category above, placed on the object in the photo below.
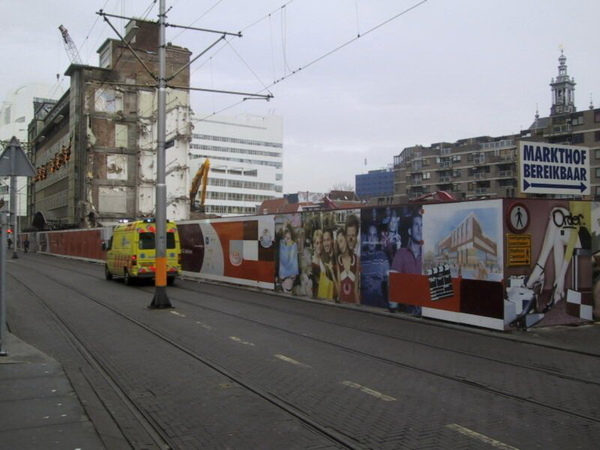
pixel 13 203
pixel 161 300
pixel 13 162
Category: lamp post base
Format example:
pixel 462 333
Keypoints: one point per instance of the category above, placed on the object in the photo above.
pixel 160 300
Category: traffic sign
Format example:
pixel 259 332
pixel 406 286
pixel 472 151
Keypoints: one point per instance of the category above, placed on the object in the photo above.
pixel 13 160
pixel 518 250
pixel 554 169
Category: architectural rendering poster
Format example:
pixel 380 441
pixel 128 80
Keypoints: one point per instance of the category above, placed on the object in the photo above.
pixel 235 250
pixel 465 236
pixel 318 255
pixel 556 287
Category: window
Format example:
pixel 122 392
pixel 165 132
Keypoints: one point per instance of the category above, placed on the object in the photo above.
pixel 597 172
pixel 597 154
pixel 470 186
pixel 577 139
pixel 105 57
pixel 577 120
pixel 147 241
pixel 597 136
pixel 597 116
pixel 597 191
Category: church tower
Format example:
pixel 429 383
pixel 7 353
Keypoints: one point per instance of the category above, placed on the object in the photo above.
pixel 563 90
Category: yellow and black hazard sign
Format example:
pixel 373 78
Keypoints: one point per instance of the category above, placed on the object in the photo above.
pixel 518 250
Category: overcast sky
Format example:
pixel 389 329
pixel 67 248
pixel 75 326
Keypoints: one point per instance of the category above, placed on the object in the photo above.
pixel 443 71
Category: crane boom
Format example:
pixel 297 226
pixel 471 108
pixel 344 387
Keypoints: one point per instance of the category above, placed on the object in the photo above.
pixel 70 46
pixel 201 176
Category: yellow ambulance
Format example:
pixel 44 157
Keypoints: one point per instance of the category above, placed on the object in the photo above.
pixel 131 251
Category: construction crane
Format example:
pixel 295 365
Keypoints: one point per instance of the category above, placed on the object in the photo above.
pixel 70 46
pixel 201 176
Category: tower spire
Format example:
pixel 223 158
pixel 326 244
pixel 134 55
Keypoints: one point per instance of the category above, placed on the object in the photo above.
pixel 563 90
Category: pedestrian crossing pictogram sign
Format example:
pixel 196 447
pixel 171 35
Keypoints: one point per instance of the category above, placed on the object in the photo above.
pixel 518 217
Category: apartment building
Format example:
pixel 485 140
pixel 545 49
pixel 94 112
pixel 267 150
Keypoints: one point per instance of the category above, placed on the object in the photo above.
pixel 246 161
pixel 487 166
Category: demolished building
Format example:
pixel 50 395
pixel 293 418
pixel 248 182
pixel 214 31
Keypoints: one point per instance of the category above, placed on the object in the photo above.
pixel 94 150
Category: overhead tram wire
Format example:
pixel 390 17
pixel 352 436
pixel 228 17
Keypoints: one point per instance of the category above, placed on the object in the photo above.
pixel 201 16
pixel 226 39
pixel 320 58
pixel 242 31
pixel 224 44
pixel 248 67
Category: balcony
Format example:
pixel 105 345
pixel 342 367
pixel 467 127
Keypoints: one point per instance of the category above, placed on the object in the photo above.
pixel 507 174
pixel 479 160
pixel 480 191
pixel 446 165
pixel 557 130
pixel 444 179
pixel 480 175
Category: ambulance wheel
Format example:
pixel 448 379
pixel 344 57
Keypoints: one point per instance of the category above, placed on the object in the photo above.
pixel 127 278
pixel 107 273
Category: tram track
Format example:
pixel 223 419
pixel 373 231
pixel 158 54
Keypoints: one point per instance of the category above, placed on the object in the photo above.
pixel 433 324
pixel 463 381
pixel 158 434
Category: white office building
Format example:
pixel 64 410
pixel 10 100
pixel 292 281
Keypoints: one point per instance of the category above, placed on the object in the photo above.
pixel 16 111
pixel 246 161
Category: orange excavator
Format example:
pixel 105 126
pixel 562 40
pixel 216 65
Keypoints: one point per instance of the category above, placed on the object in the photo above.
pixel 200 177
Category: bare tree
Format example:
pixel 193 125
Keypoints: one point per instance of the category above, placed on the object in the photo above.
pixel 342 186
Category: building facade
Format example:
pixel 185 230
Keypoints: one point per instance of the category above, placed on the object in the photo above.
pixel 375 183
pixel 486 167
pixel 16 111
pixel 246 161
pixel 95 149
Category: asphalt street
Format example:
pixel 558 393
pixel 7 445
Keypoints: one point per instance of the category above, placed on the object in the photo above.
pixel 237 368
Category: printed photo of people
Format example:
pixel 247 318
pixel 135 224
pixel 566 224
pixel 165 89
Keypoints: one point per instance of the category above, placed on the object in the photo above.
pixel 287 263
pixel 392 240
pixel 318 255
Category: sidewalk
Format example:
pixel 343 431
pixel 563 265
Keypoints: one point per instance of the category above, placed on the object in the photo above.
pixel 38 408
pixel 576 338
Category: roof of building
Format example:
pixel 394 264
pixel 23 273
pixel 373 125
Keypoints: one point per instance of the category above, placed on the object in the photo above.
pixel 349 196
pixel 275 205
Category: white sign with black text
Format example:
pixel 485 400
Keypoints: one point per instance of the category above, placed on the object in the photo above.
pixel 554 169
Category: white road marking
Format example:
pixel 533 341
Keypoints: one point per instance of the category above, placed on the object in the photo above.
pixel 366 390
pixel 480 437
pixel 291 361
pixel 177 314
pixel 237 339
pixel 203 325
